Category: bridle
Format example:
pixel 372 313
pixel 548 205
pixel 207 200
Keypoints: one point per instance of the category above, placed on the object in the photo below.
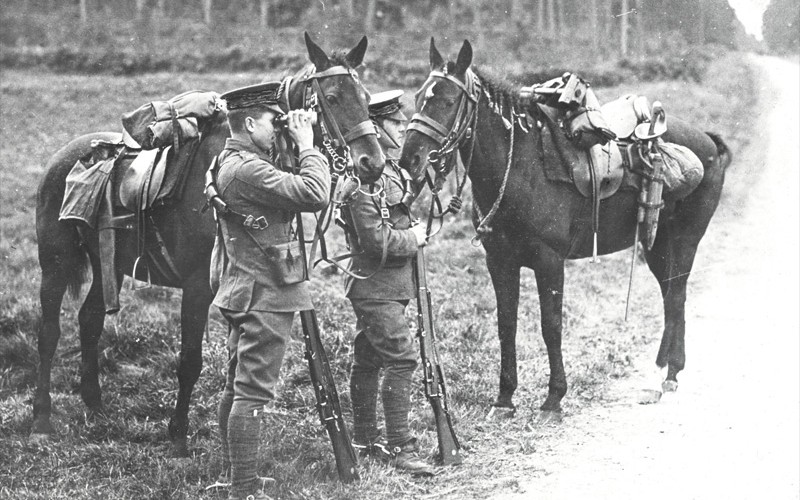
pixel 334 142
pixel 343 179
pixel 443 159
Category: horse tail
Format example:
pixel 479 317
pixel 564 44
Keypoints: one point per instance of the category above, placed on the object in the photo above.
pixel 723 151
pixel 79 273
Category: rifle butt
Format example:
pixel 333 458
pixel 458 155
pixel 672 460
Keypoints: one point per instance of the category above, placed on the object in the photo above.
pixel 449 449
pixel 346 460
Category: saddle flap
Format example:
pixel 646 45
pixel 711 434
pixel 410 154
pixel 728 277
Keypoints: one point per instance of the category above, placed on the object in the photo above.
pixel 604 163
pixel 143 179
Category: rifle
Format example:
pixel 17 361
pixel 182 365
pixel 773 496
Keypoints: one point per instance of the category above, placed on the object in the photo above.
pixel 330 411
pixel 432 373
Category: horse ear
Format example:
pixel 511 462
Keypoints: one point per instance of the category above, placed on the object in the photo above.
pixel 316 55
pixel 437 61
pixel 464 58
pixel 356 56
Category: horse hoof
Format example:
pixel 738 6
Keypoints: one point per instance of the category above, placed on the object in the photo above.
pixel 501 413
pixel 549 417
pixel 670 385
pixel 649 397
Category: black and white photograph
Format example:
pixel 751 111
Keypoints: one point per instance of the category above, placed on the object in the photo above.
pixel 400 249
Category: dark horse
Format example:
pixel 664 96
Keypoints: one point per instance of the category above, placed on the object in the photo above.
pixel 538 223
pixel 188 233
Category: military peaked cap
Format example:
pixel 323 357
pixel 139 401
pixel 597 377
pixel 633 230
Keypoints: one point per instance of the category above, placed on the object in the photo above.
pixel 264 94
pixel 386 105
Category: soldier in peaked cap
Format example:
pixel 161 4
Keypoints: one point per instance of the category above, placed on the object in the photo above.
pixel 378 224
pixel 262 280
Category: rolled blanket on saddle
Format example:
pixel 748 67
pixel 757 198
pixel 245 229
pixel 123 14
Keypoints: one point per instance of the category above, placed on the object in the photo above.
pixel 683 170
pixel 159 124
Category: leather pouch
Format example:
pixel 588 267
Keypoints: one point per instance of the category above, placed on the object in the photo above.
pixel 286 262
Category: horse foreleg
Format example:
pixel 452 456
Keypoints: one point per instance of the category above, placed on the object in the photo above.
pixel 196 300
pixel 549 270
pixel 51 293
pixel 90 320
pixel 505 277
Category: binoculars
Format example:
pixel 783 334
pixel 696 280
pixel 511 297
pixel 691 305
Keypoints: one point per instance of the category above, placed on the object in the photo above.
pixel 281 120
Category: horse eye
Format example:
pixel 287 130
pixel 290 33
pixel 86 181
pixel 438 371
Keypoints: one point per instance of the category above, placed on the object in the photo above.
pixel 449 102
pixel 331 98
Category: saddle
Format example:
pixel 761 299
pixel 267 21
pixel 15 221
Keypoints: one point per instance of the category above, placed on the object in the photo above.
pixel 599 171
pixel 141 183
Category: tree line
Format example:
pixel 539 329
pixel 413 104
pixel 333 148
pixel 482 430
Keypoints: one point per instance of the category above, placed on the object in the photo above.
pixel 621 26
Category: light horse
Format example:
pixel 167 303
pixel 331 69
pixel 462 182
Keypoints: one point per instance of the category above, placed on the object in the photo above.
pixel 187 229
pixel 537 224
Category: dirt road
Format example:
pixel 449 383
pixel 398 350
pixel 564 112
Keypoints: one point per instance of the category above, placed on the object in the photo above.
pixel 731 429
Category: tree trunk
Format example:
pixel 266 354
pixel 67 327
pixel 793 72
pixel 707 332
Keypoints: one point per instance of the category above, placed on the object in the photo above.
pixel 207 5
pixel 638 27
pixel 140 9
pixel 700 23
pixel 623 28
pixel 594 26
pixel 83 12
pixel 608 19
pixel 369 16
pixel 551 19
pixel 264 13
pixel 349 8
pixel 479 25
pixel 517 11
pixel 539 17
pixel 560 17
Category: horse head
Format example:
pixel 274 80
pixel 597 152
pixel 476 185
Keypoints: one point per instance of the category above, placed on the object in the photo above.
pixel 331 86
pixel 446 111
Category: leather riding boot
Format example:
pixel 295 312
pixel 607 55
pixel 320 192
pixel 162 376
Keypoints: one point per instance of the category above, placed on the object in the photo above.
pixel 223 412
pixel 243 441
pixel 364 396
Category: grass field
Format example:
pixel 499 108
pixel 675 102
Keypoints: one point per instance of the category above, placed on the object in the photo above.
pixel 125 454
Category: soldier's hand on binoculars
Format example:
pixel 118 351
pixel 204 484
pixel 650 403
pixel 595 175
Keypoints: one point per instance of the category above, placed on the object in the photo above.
pixel 299 124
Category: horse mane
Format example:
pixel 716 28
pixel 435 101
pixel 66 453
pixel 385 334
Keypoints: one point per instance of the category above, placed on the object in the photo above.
pixel 500 94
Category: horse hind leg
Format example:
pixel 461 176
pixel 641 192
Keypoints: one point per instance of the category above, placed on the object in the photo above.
pixel 670 260
pixel 91 319
pixel 62 263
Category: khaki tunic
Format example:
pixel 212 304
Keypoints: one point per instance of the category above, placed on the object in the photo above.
pixel 395 280
pixel 251 185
